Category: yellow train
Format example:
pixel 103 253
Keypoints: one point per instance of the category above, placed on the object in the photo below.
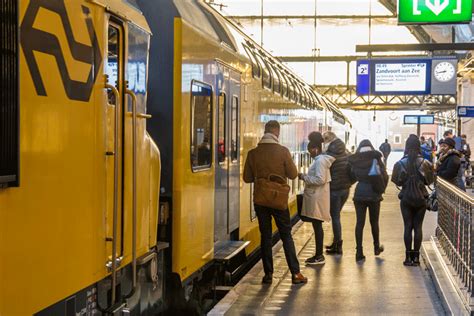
pixel 211 91
pixel 92 214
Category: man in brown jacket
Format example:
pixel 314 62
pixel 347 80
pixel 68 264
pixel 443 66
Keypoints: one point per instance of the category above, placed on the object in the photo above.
pixel 269 157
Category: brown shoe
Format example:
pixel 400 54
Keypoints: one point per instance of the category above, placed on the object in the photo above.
pixel 299 279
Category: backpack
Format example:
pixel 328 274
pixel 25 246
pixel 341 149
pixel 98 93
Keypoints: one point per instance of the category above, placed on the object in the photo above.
pixel 426 152
pixel 414 191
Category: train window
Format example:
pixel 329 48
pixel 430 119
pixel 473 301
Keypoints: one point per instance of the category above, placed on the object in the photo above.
pixel 9 102
pixel 256 71
pixel 234 137
pixel 112 67
pixel 305 96
pixel 221 128
pixel 266 76
pixel 298 92
pixel 275 77
pixel 291 90
pixel 284 84
pixel 201 125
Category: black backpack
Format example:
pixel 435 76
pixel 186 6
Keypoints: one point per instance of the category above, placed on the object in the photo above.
pixel 414 192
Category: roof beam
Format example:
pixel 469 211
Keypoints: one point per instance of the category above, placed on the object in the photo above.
pixel 417 30
pixel 415 47
pixel 309 17
pixel 293 59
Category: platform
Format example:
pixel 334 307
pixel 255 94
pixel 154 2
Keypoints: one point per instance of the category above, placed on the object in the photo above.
pixel 379 286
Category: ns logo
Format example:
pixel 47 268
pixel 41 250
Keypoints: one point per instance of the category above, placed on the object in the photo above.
pixel 33 39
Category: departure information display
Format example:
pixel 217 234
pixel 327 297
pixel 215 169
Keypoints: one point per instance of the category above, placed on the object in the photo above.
pixel 407 76
pixel 401 77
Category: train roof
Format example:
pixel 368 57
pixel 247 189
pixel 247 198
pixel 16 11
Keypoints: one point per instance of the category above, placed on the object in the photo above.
pixel 126 9
pixel 208 20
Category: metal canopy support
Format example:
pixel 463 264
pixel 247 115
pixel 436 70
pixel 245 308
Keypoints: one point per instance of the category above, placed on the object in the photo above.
pixel 347 98
pixel 308 17
pixel 415 47
pixel 292 59
pixel 417 30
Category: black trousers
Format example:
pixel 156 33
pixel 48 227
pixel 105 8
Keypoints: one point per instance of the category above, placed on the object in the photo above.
pixel 283 222
pixel 318 235
pixel 413 220
pixel 361 212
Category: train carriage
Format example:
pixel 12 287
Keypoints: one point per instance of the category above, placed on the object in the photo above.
pixel 88 204
pixel 215 90
pixel 79 175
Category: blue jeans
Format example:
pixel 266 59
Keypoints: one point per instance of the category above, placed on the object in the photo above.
pixel 283 222
pixel 338 198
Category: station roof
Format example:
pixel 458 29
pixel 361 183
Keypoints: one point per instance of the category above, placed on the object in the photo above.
pixel 318 38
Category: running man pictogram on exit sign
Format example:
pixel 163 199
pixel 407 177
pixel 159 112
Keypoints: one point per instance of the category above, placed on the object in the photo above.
pixel 434 11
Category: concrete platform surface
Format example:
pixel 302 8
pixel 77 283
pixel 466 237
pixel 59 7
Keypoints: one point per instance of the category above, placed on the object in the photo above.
pixel 379 286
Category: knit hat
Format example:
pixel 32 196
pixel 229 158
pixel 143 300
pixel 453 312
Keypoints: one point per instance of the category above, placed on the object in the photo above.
pixel 412 143
pixel 450 142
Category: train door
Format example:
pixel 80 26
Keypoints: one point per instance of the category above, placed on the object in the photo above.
pixel 227 175
pixel 114 70
pixel 234 161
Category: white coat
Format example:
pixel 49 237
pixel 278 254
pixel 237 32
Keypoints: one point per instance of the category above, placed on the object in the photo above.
pixel 316 198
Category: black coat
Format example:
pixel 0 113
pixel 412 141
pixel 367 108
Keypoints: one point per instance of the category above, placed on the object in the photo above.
pixel 360 164
pixel 449 166
pixel 340 176
pixel 400 173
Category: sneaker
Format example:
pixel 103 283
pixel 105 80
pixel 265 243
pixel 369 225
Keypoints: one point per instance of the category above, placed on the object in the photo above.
pixel 299 279
pixel 267 278
pixel 315 260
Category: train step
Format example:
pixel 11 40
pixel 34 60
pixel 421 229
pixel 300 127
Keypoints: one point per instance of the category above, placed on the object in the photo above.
pixel 226 250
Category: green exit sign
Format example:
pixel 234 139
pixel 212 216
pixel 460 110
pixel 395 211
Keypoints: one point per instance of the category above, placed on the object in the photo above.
pixel 434 11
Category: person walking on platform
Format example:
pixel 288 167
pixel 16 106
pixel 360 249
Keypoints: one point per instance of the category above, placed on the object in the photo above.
pixel 413 173
pixel 368 193
pixel 271 158
pixel 316 197
pixel 340 186
pixel 426 149
pixel 449 163
pixel 386 149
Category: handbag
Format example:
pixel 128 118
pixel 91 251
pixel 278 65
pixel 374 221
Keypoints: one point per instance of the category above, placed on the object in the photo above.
pixel 299 206
pixel 271 192
pixel 377 177
pixel 432 203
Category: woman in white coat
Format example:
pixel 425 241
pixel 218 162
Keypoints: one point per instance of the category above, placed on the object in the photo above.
pixel 316 196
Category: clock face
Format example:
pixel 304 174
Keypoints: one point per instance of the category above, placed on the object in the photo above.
pixel 444 71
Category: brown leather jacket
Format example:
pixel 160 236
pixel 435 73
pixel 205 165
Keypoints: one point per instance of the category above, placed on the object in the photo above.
pixel 266 159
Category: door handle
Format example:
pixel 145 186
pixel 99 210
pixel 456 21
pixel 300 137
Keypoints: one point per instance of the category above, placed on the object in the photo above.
pixel 134 186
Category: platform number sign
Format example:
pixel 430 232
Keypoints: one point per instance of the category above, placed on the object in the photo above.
pixel 434 11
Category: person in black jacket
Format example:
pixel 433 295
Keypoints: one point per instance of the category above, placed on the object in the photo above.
pixel 449 162
pixel 365 196
pixel 413 165
pixel 340 185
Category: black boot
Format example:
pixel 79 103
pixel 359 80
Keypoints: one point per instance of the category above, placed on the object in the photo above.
pixel 360 255
pixel 330 246
pixel 408 259
pixel 378 249
pixel 336 249
pixel 415 258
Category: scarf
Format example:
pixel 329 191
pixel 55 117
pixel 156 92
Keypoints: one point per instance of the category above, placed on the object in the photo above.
pixel 269 138
pixel 443 157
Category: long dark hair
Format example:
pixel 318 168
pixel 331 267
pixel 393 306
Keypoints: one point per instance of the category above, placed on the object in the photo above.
pixel 412 152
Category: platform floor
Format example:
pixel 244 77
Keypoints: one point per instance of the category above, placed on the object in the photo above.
pixel 379 286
